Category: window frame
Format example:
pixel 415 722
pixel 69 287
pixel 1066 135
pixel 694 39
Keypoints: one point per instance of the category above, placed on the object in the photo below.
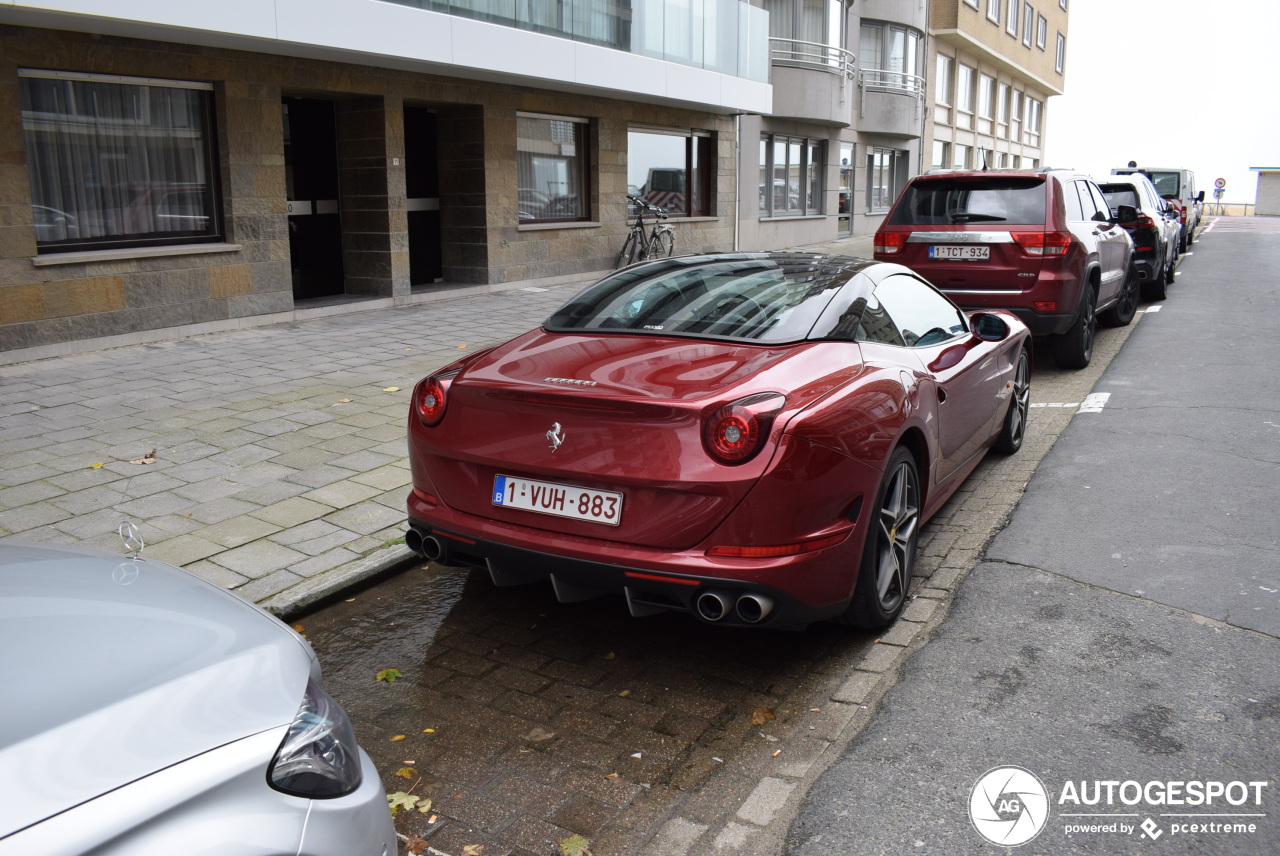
pixel 699 149
pixel 986 97
pixel 1014 15
pixel 1028 23
pixel 1042 32
pixel 813 176
pixel 1060 55
pixel 965 94
pixel 147 193
pixel 581 160
pixel 993 11
pixel 880 196
pixel 946 91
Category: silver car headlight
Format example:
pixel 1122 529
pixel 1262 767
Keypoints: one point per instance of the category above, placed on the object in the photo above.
pixel 318 758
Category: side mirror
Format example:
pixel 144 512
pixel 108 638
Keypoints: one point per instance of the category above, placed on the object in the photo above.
pixel 1200 196
pixel 989 328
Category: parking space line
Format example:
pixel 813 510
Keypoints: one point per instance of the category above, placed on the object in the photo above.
pixel 1094 402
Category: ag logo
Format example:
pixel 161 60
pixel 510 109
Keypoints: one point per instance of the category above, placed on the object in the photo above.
pixel 1008 806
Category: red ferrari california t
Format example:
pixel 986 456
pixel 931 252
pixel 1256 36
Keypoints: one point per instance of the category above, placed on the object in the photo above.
pixel 755 439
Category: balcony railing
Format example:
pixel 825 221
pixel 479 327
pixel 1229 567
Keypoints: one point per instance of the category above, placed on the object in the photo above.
pixel 816 56
pixel 882 80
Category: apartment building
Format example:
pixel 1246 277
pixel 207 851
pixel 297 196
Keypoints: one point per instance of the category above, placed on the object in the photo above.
pixel 994 64
pixel 168 168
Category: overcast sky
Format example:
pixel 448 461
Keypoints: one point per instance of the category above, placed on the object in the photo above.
pixel 1191 84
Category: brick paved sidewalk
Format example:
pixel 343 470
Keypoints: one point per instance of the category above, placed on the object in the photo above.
pixel 280 467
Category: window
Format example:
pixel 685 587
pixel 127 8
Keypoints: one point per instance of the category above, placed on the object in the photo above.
pixel 1017 106
pixel 1033 122
pixel 1060 58
pixel 940 152
pixel 964 89
pixel 891 57
pixel 920 316
pixel 790 176
pixel 993 11
pixel 119 161
pixel 1062 4
pixel 1002 159
pixel 551 168
pixel 973 3
pixel 671 169
pixel 943 94
pixel 1042 31
pixel 818 21
pixel 886 173
pixel 961 159
pixel 986 96
pixel 1028 22
pixel 1011 20
pixel 1002 104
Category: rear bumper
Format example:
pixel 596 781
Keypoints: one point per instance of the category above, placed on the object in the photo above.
pixel 1038 324
pixel 651 581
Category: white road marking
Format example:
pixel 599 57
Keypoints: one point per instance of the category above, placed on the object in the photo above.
pixel 1094 402
pixel 1152 309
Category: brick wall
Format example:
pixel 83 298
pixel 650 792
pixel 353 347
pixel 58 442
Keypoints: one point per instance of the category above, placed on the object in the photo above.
pixel 482 242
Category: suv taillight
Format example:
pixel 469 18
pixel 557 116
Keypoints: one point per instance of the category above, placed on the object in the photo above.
pixel 1145 222
pixel 889 242
pixel 1043 243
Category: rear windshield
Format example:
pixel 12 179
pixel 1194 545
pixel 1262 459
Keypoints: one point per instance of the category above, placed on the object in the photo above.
pixel 1122 194
pixel 956 201
pixel 757 300
pixel 1167 183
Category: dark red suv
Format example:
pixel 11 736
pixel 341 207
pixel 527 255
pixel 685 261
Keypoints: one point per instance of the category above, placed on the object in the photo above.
pixel 1040 243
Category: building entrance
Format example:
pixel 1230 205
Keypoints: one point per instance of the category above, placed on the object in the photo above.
pixel 311 187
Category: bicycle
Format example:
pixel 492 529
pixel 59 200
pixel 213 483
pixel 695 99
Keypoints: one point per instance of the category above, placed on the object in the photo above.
pixel 661 240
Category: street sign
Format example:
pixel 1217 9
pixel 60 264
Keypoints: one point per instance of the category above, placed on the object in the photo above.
pixel 1217 192
pixel 1219 183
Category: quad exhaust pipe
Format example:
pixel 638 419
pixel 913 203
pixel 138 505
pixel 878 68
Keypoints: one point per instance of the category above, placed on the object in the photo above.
pixel 751 608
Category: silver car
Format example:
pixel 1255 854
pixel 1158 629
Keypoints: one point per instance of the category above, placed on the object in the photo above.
pixel 146 711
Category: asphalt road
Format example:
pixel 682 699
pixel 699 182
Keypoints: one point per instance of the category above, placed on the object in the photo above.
pixel 1124 625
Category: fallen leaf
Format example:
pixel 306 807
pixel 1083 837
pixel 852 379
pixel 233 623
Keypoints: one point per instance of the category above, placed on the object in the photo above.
pixel 391 389
pixel 149 458
pixel 415 845
pixel 389 675
pixel 344 401
pixel 406 772
pixel 574 845
pixel 761 715
pixel 612 776
pixel 428 731
pixel 625 693
pixel 426 806
pixel 472 850
pixel 298 628
pixel 400 800
pixel 397 738
pixel 96 466
pixel 815 710
pixel 610 655
pixel 461 346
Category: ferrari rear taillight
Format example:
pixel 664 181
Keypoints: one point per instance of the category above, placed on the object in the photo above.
pixel 1043 243
pixel 777 551
pixel 890 242
pixel 737 431
pixel 430 398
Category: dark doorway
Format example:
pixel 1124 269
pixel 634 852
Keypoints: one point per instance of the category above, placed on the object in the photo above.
pixel 311 186
pixel 422 189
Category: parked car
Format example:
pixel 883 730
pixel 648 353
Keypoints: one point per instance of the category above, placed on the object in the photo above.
pixel 1041 244
pixel 147 711
pixel 1155 229
pixel 1178 186
pixel 754 439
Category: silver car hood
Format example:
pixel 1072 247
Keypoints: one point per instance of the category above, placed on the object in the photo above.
pixel 113 668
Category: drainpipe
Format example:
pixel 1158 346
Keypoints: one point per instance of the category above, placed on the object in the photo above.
pixel 737 182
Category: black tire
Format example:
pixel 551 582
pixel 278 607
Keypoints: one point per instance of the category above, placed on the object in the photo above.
pixel 1182 241
pixel 888 559
pixel 664 244
pixel 1191 235
pixel 1126 305
pixel 1015 420
pixel 1074 348
pixel 1169 271
pixel 628 253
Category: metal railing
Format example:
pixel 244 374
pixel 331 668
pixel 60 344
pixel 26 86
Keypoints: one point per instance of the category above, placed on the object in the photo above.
pixel 882 80
pixel 795 53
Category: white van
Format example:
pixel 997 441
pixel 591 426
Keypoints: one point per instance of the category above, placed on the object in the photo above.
pixel 1179 187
